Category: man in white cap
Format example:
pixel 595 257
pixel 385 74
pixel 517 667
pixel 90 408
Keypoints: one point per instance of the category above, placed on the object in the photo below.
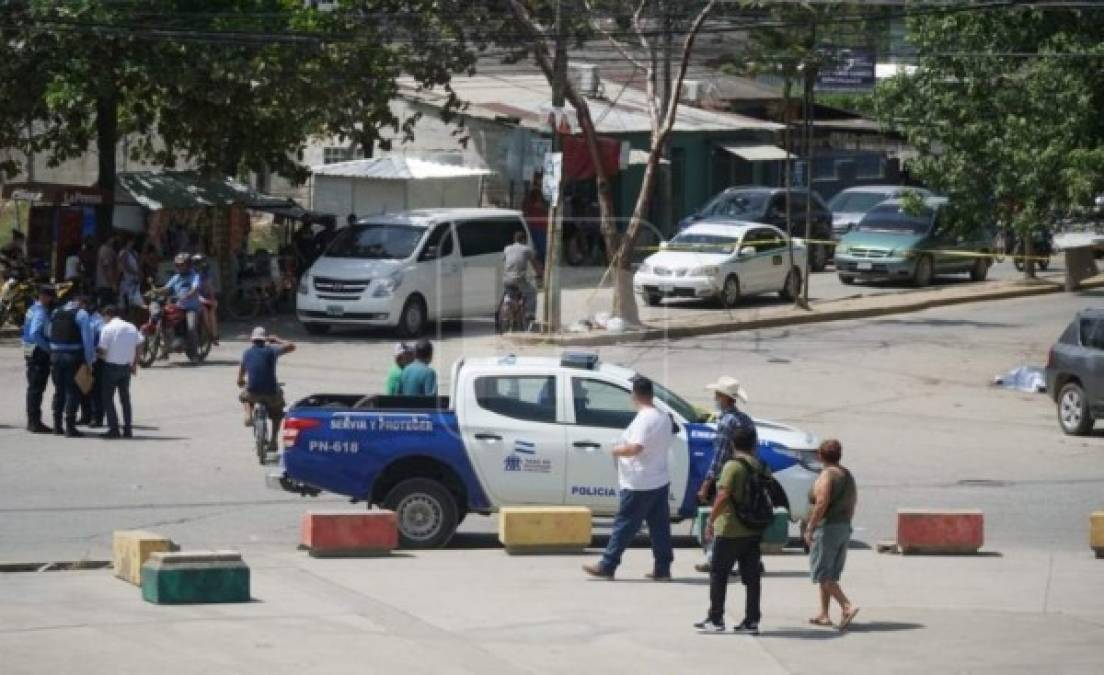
pixel 257 377
pixel 726 392
pixel 404 354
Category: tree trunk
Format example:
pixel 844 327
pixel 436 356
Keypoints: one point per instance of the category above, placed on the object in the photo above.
pixel 624 302
pixel 107 139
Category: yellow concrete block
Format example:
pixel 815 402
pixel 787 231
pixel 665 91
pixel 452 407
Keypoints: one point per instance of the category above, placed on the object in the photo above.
pixel 132 548
pixel 1096 533
pixel 544 529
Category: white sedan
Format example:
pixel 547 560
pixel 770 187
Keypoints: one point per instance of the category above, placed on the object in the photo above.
pixel 722 259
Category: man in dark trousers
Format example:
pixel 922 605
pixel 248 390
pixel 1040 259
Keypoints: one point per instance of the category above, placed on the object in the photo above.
pixel 71 346
pixel 733 540
pixel 118 350
pixel 36 352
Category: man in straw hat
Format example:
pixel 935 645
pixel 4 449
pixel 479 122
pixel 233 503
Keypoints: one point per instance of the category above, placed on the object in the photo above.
pixel 726 392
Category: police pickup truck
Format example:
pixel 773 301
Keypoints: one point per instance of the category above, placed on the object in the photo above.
pixel 516 430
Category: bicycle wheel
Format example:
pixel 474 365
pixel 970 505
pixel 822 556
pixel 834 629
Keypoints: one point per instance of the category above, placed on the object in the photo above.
pixel 260 430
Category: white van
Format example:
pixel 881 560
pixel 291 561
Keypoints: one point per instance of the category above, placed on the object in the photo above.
pixel 404 270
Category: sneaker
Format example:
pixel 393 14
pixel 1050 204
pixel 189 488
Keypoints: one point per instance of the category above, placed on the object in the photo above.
pixel 597 572
pixel 72 432
pixel 704 567
pixel 38 428
pixel 657 577
pixel 708 626
pixel 746 627
pixel 127 433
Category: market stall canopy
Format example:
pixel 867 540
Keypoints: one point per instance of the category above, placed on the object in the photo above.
pixel 758 153
pixel 164 190
pixel 396 167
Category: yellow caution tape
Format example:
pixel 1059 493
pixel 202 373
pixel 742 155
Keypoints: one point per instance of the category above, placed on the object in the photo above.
pixel 912 253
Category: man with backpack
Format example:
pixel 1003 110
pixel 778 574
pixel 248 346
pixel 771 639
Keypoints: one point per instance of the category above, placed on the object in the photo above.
pixel 741 512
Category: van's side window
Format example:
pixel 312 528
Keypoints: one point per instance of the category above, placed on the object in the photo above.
pixel 440 240
pixel 480 237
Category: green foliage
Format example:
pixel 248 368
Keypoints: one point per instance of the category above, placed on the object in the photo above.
pixel 1005 110
pixel 228 85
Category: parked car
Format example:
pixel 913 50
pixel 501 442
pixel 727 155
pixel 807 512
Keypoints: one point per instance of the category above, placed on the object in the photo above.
pixel 529 430
pixel 767 205
pixel 892 243
pixel 405 270
pixel 721 259
pixel 1075 372
pixel 848 207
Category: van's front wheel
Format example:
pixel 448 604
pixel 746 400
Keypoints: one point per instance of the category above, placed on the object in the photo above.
pixel 412 320
pixel 426 511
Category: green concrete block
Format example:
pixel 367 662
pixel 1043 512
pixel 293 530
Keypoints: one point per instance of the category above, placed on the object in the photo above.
pixel 195 577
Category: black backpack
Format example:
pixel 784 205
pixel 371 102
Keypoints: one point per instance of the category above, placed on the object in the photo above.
pixel 756 509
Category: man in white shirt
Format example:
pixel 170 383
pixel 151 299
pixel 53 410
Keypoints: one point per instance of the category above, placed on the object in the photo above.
pixel 645 484
pixel 118 348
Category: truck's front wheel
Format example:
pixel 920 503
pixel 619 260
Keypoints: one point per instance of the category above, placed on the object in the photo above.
pixel 426 512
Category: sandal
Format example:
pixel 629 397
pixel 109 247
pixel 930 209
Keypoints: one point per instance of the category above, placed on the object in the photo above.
pixel 818 621
pixel 845 620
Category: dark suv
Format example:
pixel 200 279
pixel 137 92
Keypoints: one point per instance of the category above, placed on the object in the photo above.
pixel 768 205
pixel 1075 372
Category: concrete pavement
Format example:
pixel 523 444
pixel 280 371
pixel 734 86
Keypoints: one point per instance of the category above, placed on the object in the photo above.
pixel 481 611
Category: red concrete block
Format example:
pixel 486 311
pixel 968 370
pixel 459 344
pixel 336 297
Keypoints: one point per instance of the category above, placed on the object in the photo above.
pixel 951 531
pixel 349 533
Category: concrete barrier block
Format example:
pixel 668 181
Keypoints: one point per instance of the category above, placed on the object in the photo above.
pixel 544 529
pixel 1096 533
pixel 777 534
pixel 940 531
pixel 349 533
pixel 195 577
pixel 132 548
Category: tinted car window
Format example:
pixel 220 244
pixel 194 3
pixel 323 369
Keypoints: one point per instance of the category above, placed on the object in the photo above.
pixel 484 237
pixel 768 240
pixel 737 204
pixel 441 240
pixel 893 218
pixel 600 404
pixel 856 202
pixel 376 241
pixel 1092 333
pixel 531 398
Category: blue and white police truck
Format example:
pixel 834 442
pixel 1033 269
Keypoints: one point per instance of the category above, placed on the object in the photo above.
pixel 514 431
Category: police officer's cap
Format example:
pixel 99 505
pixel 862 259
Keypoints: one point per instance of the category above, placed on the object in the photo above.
pixel 47 290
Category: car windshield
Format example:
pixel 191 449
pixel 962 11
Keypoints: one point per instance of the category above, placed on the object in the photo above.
pixel 893 218
pixel 678 405
pixel 376 242
pixel 706 243
pixel 736 204
pixel 856 202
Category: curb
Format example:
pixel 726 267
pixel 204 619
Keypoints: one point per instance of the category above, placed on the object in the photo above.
pixel 599 339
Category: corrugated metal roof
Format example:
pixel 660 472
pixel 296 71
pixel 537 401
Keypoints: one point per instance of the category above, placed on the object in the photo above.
pixel 758 153
pixel 395 167
pixel 624 109
pixel 159 190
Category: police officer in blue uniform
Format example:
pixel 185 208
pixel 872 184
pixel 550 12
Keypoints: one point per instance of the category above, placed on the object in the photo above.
pixel 72 345
pixel 36 351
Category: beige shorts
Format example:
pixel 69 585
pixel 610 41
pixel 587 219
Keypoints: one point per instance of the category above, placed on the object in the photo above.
pixel 274 402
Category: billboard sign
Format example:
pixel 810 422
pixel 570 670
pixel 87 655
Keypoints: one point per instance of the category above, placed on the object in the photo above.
pixel 846 69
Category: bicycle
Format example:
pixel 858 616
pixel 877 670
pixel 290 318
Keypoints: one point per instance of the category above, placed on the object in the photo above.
pixel 260 421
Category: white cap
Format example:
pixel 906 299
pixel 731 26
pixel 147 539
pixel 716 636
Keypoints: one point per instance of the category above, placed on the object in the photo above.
pixel 402 348
pixel 258 334
pixel 730 387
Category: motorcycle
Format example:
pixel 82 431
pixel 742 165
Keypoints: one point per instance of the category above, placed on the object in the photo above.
pixel 19 292
pixel 510 316
pixel 167 333
pixel 1042 247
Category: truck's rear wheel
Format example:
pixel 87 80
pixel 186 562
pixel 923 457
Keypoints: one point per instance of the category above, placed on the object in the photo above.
pixel 426 511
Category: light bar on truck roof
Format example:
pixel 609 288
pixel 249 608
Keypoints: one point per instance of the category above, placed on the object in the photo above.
pixel 581 360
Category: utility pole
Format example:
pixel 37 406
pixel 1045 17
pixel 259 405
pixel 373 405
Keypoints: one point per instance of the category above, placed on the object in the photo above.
pixel 554 248
pixel 807 115
pixel 666 180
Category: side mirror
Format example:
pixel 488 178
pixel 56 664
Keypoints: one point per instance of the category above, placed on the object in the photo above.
pixel 746 251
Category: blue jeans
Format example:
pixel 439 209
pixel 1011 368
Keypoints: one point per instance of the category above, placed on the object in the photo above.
pixel 67 396
pixel 636 507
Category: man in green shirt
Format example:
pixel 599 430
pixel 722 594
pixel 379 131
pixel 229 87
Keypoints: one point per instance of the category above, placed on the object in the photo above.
pixel 733 541
pixel 403 356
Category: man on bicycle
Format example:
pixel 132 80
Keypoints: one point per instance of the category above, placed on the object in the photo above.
pixel 185 285
pixel 257 377
pixel 516 260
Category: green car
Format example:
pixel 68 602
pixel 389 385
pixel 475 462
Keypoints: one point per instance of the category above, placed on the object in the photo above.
pixel 895 243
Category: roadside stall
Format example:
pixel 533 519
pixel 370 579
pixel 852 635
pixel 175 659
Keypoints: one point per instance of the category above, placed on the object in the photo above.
pixel 55 219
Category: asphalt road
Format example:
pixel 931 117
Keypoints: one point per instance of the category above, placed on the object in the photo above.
pixel 909 397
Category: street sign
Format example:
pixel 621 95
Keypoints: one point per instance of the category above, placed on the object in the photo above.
pixel 846 69
pixel 550 184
